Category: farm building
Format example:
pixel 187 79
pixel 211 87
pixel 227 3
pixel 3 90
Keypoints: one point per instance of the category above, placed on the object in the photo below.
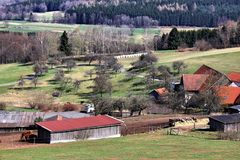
pixel 159 93
pixel 193 84
pixel 234 77
pixel 18 121
pixel 215 77
pixel 228 95
pixel 68 130
pixel 225 123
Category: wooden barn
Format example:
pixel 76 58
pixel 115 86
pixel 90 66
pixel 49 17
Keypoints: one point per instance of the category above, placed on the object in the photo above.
pixel 225 123
pixel 68 130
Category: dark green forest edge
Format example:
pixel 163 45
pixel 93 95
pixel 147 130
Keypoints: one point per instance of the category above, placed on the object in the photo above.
pixel 144 13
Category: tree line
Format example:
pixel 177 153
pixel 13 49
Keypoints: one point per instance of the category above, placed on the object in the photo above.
pixel 208 13
pixel 42 46
pixel 225 36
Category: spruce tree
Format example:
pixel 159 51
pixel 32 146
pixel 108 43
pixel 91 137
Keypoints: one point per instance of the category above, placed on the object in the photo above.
pixel 65 47
pixel 173 39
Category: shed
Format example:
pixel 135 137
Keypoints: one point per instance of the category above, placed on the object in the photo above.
pixel 159 93
pixel 225 123
pixel 68 130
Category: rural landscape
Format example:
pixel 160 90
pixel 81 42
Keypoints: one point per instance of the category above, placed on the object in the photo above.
pixel 119 79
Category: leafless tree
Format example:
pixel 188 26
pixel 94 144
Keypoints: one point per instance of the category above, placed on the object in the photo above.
pixel 102 84
pixel 179 66
pixel 203 45
pixel 70 64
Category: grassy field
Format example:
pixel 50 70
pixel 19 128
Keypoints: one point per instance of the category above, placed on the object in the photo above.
pixel 47 16
pixel 12 72
pixel 23 26
pixel 158 145
pixel 225 60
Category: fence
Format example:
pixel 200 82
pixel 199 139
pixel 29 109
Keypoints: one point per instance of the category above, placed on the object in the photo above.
pixel 132 129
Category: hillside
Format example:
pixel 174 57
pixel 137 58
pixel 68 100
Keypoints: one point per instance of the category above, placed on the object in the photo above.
pixel 207 13
pixel 225 60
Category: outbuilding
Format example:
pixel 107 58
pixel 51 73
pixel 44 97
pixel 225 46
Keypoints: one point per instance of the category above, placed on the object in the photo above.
pixel 225 123
pixel 68 130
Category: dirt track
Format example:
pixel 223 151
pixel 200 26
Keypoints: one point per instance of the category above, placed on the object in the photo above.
pixel 12 141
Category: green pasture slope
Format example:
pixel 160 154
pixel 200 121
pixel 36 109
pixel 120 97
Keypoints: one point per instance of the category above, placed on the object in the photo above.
pixel 158 145
pixel 225 60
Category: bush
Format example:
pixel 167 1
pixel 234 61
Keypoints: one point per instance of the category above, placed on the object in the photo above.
pixel 203 45
pixel 70 107
pixel 3 106
pixel 41 101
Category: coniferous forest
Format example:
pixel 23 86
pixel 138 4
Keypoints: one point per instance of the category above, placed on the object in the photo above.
pixel 137 13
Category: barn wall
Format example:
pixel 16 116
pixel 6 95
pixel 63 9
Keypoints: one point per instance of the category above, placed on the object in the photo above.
pixel 215 125
pixel 92 133
pixel 43 135
pixel 232 127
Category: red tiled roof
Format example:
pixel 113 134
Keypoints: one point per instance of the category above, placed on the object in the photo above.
pixel 194 82
pixel 228 95
pixel 79 123
pixel 161 91
pixel 204 69
pixel 234 76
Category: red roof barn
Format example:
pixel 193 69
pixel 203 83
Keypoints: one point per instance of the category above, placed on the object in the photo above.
pixel 234 77
pixel 194 82
pixel 228 95
pixel 67 130
pixel 204 69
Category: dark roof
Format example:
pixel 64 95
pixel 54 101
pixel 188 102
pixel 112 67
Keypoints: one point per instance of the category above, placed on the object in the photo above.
pixel 227 119
pixel 237 107
pixel 79 123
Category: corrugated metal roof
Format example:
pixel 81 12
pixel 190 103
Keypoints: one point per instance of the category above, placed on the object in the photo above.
pixel 227 119
pixel 18 119
pixel 11 119
pixel 79 123
pixel 70 114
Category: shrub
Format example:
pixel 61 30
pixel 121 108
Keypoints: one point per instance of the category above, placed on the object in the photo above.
pixel 203 45
pixel 3 106
pixel 41 101
pixel 70 107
